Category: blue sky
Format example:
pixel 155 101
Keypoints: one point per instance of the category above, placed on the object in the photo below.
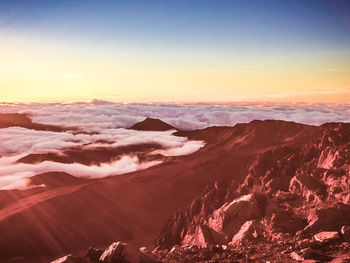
pixel 273 24
pixel 219 34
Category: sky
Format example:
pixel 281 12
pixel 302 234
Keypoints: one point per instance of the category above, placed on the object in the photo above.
pixel 175 51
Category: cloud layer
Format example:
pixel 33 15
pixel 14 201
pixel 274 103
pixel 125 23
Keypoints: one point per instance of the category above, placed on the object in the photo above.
pixel 17 140
pixel 107 121
pixel 15 175
pixel 99 115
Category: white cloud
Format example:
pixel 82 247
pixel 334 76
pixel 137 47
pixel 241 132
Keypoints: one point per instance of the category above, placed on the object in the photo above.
pixel 15 175
pixel 17 140
pixel 185 149
pixel 100 115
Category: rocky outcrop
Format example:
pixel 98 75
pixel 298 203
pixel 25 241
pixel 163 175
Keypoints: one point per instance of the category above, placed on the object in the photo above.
pixel 228 219
pixel 326 236
pixel 117 252
pixel 200 236
pixel 285 221
pixel 120 252
pixel 295 196
pixel 249 231
pixel 328 219
pixel 308 187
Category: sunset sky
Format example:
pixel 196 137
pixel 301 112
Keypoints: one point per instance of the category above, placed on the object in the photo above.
pixel 175 51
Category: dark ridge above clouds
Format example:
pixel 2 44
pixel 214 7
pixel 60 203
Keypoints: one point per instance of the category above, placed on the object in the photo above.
pixel 22 120
pixel 151 124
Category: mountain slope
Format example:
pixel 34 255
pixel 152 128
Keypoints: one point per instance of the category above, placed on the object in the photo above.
pixel 134 207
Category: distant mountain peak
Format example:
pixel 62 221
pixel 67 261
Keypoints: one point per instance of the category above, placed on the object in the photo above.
pixel 151 124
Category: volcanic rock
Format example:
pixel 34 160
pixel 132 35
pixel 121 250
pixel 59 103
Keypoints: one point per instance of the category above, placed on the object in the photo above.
pixel 120 252
pixel 329 219
pixel 150 124
pixel 308 186
pixel 199 236
pixel 249 230
pixel 286 221
pixel 228 219
pixel 326 236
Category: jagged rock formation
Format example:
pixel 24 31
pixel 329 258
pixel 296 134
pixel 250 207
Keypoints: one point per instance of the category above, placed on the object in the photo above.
pixel 117 252
pixel 300 191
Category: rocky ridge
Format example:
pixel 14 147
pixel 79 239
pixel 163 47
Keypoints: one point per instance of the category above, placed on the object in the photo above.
pixel 294 199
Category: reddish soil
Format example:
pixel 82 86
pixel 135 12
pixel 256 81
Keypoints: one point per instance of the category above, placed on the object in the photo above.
pixel 68 218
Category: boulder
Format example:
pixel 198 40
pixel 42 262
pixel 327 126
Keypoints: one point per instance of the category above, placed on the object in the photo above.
pixel 249 231
pixel 199 236
pixel 120 252
pixel 326 236
pixel 228 219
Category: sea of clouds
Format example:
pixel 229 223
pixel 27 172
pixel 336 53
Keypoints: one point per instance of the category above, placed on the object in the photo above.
pixel 107 121
pixel 17 142
pixel 97 115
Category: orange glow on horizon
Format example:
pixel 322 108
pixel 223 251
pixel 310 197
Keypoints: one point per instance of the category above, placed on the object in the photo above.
pixel 71 73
